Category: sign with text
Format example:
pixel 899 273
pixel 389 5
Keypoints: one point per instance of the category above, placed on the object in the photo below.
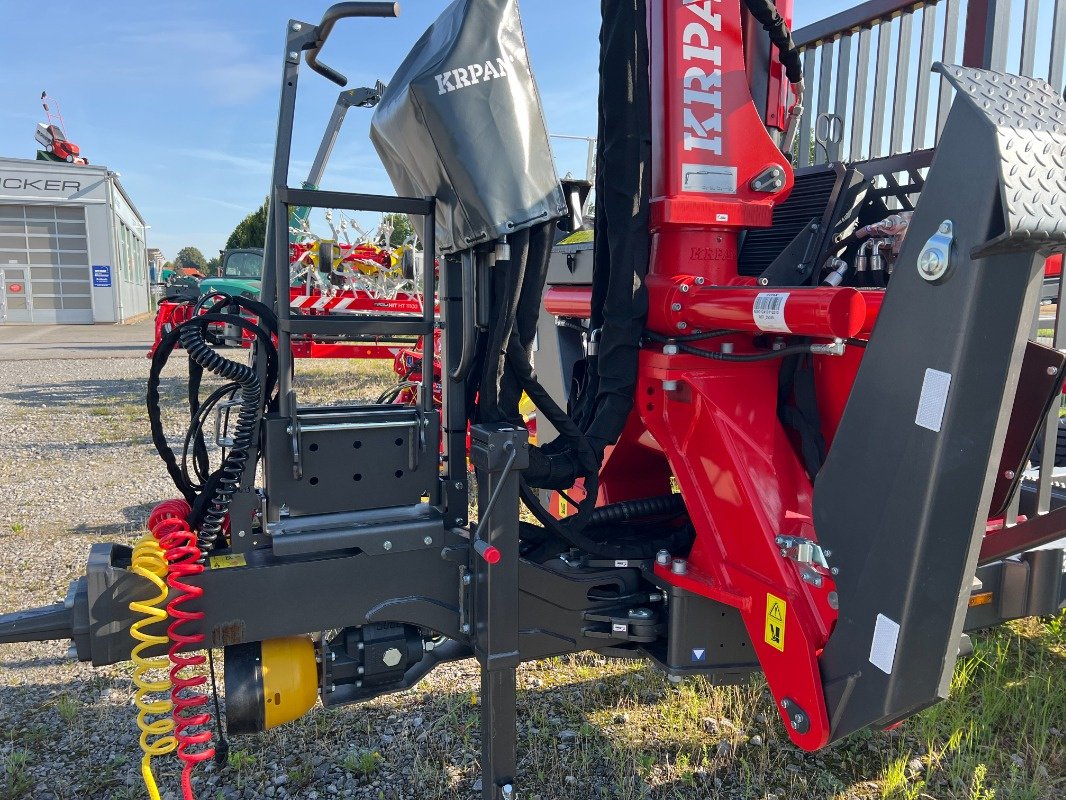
pixel 101 275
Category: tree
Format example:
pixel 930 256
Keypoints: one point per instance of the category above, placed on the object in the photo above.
pixel 190 258
pixel 213 264
pixel 250 231
pixel 401 228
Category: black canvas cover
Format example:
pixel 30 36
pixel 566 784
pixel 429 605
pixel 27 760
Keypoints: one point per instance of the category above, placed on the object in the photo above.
pixel 461 120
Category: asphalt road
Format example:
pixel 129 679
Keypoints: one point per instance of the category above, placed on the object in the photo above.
pixel 48 342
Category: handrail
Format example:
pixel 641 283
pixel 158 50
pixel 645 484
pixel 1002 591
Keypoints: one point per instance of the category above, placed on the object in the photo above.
pixel 334 14
pixel 861 16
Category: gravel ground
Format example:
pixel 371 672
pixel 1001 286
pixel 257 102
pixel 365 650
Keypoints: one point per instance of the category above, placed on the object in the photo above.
pixel 77 467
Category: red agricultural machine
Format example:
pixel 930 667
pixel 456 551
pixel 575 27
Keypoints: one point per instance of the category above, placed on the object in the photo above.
pixel 786 384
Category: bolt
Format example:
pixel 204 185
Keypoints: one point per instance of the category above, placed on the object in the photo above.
pixel 945 227
pixel 675 307
pixel 929 261
pixel 775 173
pixel 467 580
pixel 466 627
pixel 662 558
pixel 332 688
pixel 682 325
pixel 428 540
pixel 428 645
pixel 700 281
pixel 797 718
pixel 459 485
pixel 332 655
pixel 784 704
pixel 242 534
pixel 779 540
pixel 459 522
pixel 685 287
pixel 387 544
pixel 827 553
pixel 794 725
pixel 297 27
pixel 1008 474
pixel 679 567
pixel 834 570
pixel 293 55
pixel 778 184
pixel 669 349
pixel 1052 370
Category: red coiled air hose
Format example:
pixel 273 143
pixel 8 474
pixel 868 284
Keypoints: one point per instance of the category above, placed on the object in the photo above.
pixel 167 523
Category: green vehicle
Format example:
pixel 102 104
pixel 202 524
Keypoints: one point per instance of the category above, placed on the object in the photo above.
pixel 241 274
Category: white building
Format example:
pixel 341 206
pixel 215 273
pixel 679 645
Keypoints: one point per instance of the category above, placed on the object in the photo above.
pixel 72 245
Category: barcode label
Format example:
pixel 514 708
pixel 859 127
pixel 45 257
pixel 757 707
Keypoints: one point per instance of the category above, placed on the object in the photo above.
pixel 769 311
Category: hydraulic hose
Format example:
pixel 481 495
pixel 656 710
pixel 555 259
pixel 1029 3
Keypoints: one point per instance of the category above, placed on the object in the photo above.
pixel 766 13
pixel 635 509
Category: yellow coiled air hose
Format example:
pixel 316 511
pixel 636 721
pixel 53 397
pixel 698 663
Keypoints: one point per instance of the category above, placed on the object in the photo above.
pixel 153 715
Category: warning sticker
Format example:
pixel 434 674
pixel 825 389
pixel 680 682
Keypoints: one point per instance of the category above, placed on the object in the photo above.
pixel 776 609
pixel 769 311
pixel 222 562
pixel 577 237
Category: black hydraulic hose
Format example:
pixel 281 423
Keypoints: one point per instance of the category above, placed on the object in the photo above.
pixel 635 509
pixel 766 355
pixel 251 401
pixel 766 13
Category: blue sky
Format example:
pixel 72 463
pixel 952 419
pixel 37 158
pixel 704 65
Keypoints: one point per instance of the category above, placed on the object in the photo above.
pixel 181 98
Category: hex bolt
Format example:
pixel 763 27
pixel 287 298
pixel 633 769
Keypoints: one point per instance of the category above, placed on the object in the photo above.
pixel 684 288
pixel 675 307
pixel 945 227
pixel 794 724
pixel 780 540
pixel 662 558
pixel 1008 474
pixel 297 27
pixel 1052 370
pixel 332 688
pixel 827 553
pixel 679 567
pixel 293 55
pixel 682 325
pixel 700 281
pixel 466 627
pixel 242 534
pixel 834 570
pixel 428 540
pixel 387 544
pixel 467 580
pixel 459 485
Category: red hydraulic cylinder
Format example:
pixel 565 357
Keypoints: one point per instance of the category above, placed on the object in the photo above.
pixel 832 312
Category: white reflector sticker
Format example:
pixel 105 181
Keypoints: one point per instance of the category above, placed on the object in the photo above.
pixel 883 647
pixel 933 400
pixel 711 180
pixel 769 311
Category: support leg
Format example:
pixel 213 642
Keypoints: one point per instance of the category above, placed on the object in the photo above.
pixel 499 452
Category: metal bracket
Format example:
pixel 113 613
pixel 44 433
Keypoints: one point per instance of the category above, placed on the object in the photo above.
pixel 808 555
pixel 770 179
pixel 935 259
pixel 224 408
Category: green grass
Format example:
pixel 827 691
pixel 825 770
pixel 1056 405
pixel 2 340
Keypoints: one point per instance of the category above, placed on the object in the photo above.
pixel 363 762
pixel 17 780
